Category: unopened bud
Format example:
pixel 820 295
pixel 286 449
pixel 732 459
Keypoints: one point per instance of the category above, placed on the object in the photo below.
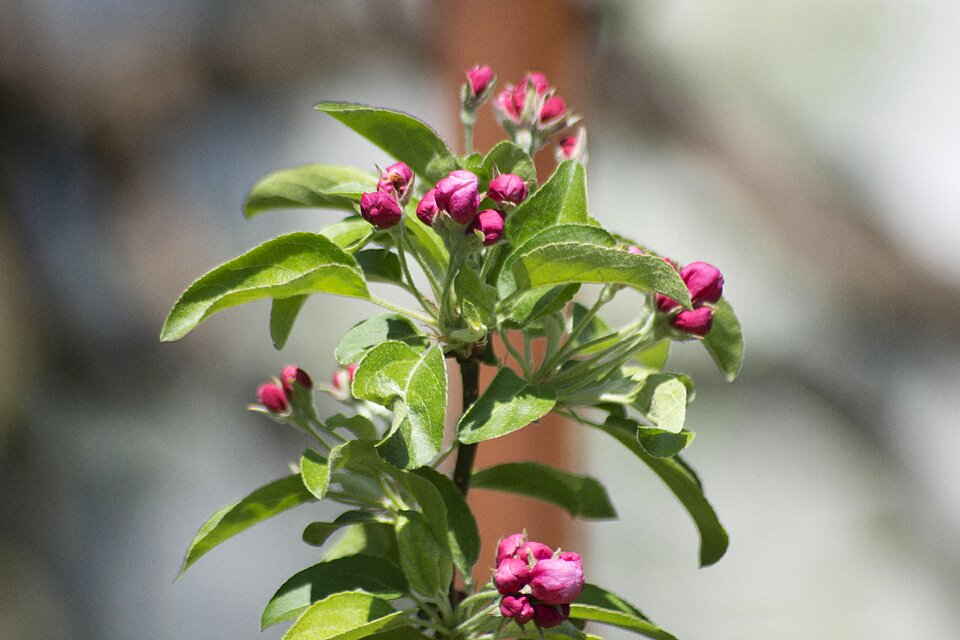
pixel 479 79
pixel 380 209
pixel 512 574
pixel 507 547
pixel 272 397
pixel 704 281
pixel 518 608
pixel 546 616
pixel 343 378
pixel 553 109
pixel 427 209
pixel 557 580
pixel 457 194
pixel 293 374
pixel 397 179
pixel 507 187
pixel 697 321
pixel 573 147
pixel 538 550
pixel 489 222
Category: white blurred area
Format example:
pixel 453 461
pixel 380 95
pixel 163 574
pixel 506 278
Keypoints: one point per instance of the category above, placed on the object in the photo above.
pixel 133 130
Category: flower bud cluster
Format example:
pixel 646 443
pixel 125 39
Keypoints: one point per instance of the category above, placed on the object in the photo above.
pixel 275 396
pixel 531 112
pixel 705 284
pixel 536 582
pixel 383 208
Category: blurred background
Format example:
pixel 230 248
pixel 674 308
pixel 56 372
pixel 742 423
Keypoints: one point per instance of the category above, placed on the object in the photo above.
pixel 807 148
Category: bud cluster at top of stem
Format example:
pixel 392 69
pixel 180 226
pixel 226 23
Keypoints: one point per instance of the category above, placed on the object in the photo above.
pixel 383 208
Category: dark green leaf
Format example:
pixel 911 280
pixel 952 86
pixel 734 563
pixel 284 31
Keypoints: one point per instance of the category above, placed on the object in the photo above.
pixel 380 265
pixel 509 158
pixel 530 306
pixel 264 503
pixel 725 340
pixel 345 616
pixel 316 533
pixel 374 331
pixel 597 605
pixel 283 313
pixel 425 560
pixel 580 496
pixel 355 573
pixel 402 136
pixel 663 444
pixel 508 404
pixel 562 198
pixel 463 535
pixel 313 185
pixel 683 484
pixel 291 265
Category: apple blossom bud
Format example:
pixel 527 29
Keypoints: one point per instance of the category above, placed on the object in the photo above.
pixel 665 304
pixel 397 179
pixel 698 321
pixel 380 209
pixel 489 222
pixel 507 548
pixel 556 580
pixel 507 187
pixel 507 104
pixel 343 378
pixel 539 551
pixel 637 251
pixel 568 146
pixel 272 397
pixel 704 281
pixel 538 80
pixel 553 109
pixel 512 574
pixel 457 194
pixel 293 374
pixel 478 79
pixel 427 209
pixel 518 608
pixel 546 616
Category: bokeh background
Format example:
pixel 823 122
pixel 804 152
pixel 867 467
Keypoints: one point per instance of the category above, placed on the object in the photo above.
pixel 809 148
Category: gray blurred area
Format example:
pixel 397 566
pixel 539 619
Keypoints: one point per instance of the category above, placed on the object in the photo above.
pixel 807 148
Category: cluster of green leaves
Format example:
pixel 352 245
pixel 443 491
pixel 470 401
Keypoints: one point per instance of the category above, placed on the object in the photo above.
pixel 407 528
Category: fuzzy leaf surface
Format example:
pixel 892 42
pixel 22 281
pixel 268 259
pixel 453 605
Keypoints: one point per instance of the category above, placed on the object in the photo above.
pixel 312 185
pixel 561 199
pixel 508 404
pixel 345 616
pixel 725 340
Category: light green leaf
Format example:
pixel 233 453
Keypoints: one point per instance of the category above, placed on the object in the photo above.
pixel 725 340
pixel 291 265
pixel 315 473
pixel 509 158
pixel 369 538
pixel 380 265
pixel 596 328
pixel 424 559
pixel 356 573
pixel 283 314
pixel 313 185
pixel 358 425
pixel 349 234
pixel 264 503
pixel 663 444
pixel 663 400
pixel 315 470
pixel 562 198
pixel 463 537
pixel 402 136
pixel 374 331
pixel 345 616
pixel 530 306
pixel 684 485
pixel 580 496
pixel 316 533
pixel 508 404
pixel 598 605
pixel 654 357
pixel 383 372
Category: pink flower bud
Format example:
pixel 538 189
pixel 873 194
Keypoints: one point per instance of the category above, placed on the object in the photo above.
pixel 573 147
pixel 518 608
pixel 507 187
pixel 546 616
pixel 539 551
pixel 637 251
pixel 457 194
pixel 698 321
pixel 507 548
pixel 704 281
pixel 489 222
pixel 427 210
pixel 512 574
pixel 272 397
pixel 397 179
pixel 343 378
pixel 294 374
pixel 553 109
pixel 665 304
pixel 568 146
pixel 556 581
pixel 538 80
pixel 507 104
pixel 380 209
pixel 478 79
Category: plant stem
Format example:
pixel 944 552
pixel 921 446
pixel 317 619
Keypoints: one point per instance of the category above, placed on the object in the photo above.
pixel 406 271
pixel 466 453
pixel 547 367
pixel 380 302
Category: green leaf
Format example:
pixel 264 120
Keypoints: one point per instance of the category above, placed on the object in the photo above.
pixel 509 158
pixel 291 265
pixel 355 573
pixel 654 357
pixel 663 444
pixel 598 605
pixel 349 234
pixel 425 560
pixel 426 244
pixel 463 536
pixel 663 400
pixel 345 616
pixel 374 331
pixel 725 340
pixel 399 134
pixel 530 306
pixel 596 328
pixel 315 470
pixel 562 198
pixel 315 473
pixel 380 265
pixel 569 262
pixel 417 432
pixel 264 503
pixel 369 538
pixel 313 185
pixel 283 313
pixel 383 372
pixel 684 485
pixel 508 404
pixel 316 533
pixel 360 426
pixel 580 496
pixel 427 497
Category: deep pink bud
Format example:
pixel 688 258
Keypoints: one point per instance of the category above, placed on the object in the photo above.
pixel 539 550
pixel 571 556
pixel 666 304
pixel 538 80
pixel 507 548
pixel 698 321
pixel 489 222
pixel 553 109
pixel 292 373
pixel 508 105
pixel 457 194
pixel 546 616
pixel 556 581
pixel 518 608
pixel 704 281
pixel 512 574
pixel 478 79
pixel 343 378
pixel 637 251
pixel 272 397
pixel 507 187
pixel 398 179
pixel 380 209
pixel 568 146
pixel 427 209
